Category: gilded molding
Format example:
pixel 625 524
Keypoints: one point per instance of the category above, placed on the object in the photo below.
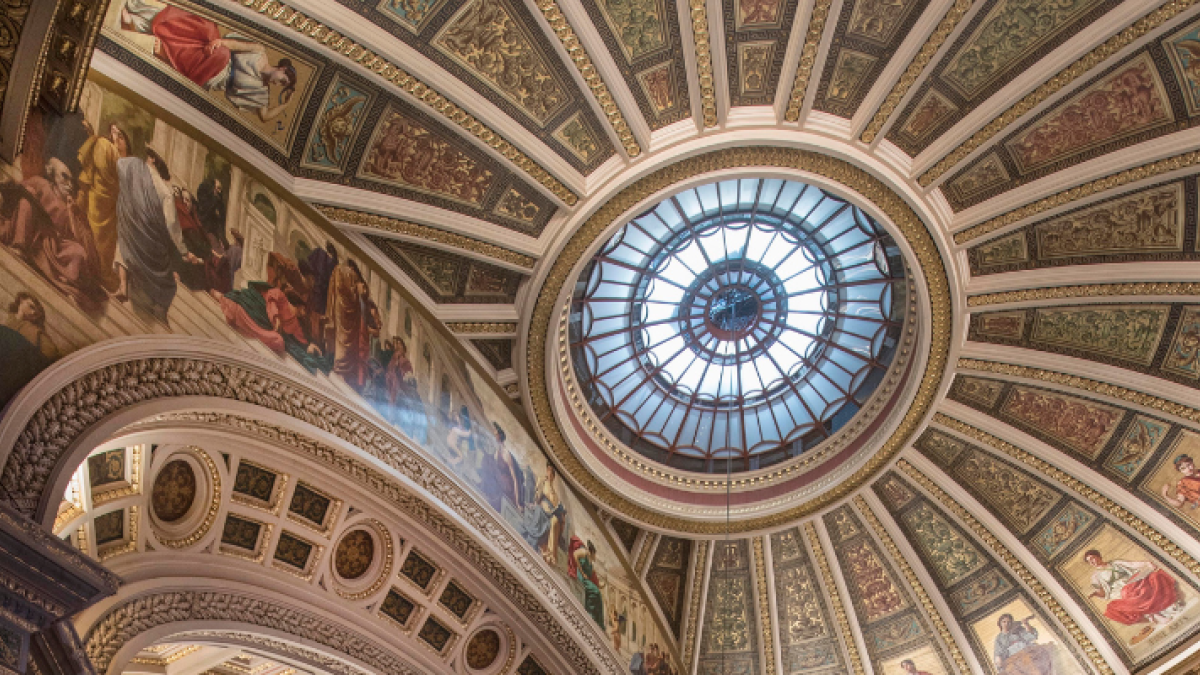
pixel 579 56
pixel 764 605
pixel 169 659
pixel 328 37
pixel 1067 196
pixel 1084 384
pixel 926 257
pixel 1027 577
pixel 699 564
pixel 835 598
pixel 649 543
pixel 126 621
pixel 944 28
pixel 271 645
pixel 1058 82
pixel 931 610
pixel 808 59
pixel 385 574
pixel 1048 470
pixel 1145 288
pixel 481 327
pixel 411 229
pixel 704 62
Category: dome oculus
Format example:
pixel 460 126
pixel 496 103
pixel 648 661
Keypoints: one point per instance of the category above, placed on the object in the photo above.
pixel 743 320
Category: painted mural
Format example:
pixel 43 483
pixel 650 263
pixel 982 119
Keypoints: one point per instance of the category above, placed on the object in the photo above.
pixel 1008 630
pixel 116 222
pixel 757 33
pixel 1147 224
pixel 1141 603
pixel 262 82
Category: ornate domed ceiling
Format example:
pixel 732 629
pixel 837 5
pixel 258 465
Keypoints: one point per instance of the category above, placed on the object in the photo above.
pixel 729 337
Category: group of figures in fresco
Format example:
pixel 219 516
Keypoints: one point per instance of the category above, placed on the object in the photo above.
pixel 96 214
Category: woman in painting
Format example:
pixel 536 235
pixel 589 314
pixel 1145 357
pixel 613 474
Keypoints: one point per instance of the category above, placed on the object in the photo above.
pixel 233 64
pixel 461 437
pixel 347 337
pixel 1137 591
pixel 1016 650
pixel 581 564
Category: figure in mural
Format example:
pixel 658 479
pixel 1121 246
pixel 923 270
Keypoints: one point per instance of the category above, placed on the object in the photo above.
pixel 910 668
pixel 234 65
pixel 581 564
pixel 98 188
pixel 547 497
pixel 502 476
pixel 1137 591
pixel 405 408
pixel 42 223
pixel 1016 651
pixel 348 338
pixel 212 208
pixel 614 628
pixel 25 343
pixel 1187 488
pixel 150 243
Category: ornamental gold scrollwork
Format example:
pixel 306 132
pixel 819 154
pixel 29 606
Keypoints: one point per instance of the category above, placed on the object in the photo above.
pixel 764 602
pixel 411 229
pixel 914 582
pixel 944 28
pixel 1084 384
pixel 289 17
pixel 1027 577
pixel 693 616
pixel 1061 80
pixel 579 56
pixel 1142 288
pixel 808 59
pixel 926 257
pixel 1113 509
pixel 704 61
pixel 835 598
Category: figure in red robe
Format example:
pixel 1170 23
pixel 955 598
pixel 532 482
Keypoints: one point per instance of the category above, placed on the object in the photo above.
pixel 1136 591
pixel 1187 488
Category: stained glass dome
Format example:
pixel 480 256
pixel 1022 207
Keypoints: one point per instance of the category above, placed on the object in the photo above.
pixel 742 321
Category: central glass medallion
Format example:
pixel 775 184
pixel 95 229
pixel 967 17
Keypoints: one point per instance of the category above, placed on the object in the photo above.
pixel 740 321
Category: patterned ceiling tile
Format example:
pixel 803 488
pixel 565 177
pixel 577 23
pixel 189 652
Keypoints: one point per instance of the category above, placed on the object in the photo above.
pixel 408 154
pixel 1131 102
pixel 807 636
pixel 981 590
pixel 498 353
pixel 1002 40
pixel 893 628
pixel 1155 339
pixel 449 277
pixel 756 39
pixel 667 578
pixel 643 37
pixel 1157 223
pixel 867 34
pixel 498 48
pixel 729 642
pixel 626 534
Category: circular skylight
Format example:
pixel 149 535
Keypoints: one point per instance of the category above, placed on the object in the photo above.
pixel 743 321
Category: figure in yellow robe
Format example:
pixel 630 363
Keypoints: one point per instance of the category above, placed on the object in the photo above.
pixel 99 187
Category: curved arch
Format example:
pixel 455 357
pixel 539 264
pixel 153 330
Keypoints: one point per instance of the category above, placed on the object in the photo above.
pixel 87 397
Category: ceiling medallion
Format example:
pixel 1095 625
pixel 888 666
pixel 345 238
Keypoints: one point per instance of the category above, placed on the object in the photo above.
pixel 739 314
pixel 737 324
